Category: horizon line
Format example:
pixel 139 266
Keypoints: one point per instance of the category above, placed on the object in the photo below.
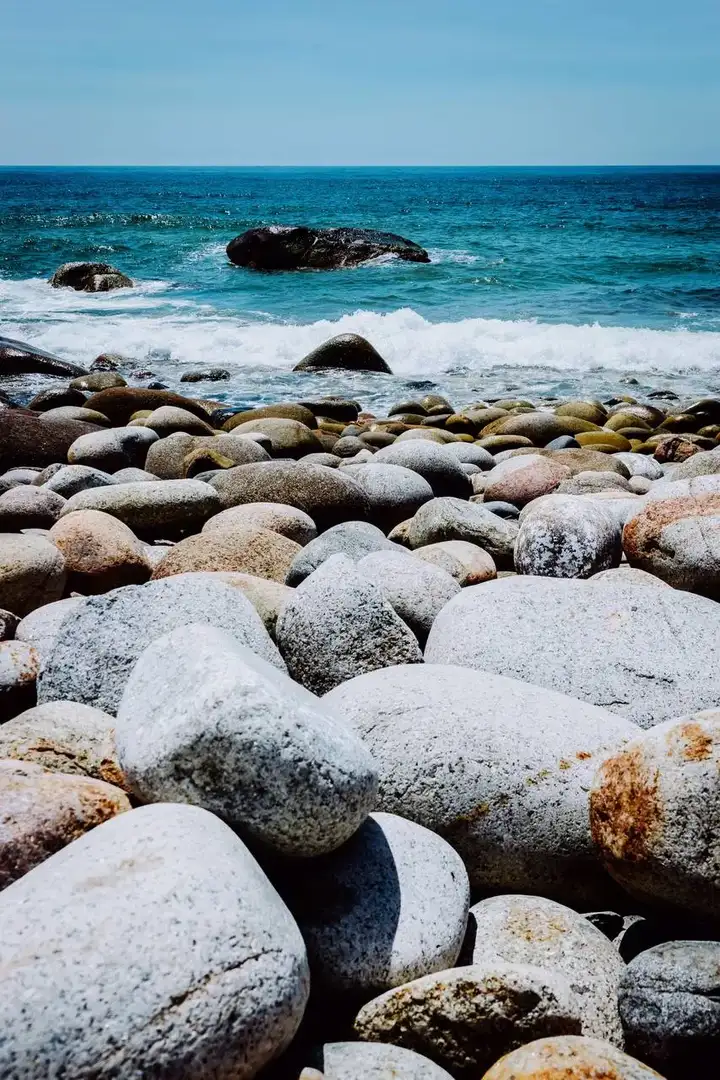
pixel 380 165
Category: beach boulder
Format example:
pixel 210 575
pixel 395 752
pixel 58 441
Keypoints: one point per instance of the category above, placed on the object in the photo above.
pixel 19 358
pixel 90 277
pixel 346 352
pixel 287 247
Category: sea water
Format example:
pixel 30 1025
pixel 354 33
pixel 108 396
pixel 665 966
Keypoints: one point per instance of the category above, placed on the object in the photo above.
pixel 542 281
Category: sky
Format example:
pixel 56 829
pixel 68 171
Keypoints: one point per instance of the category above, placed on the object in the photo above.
pixel 360 82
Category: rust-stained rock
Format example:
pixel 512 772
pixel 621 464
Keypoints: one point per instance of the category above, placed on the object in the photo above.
pixel 41 812
pixel 64 737
pixel 32 573
pixel 464 1018
pixel 678 540
pixel 570 1057
pixel 655 814
pixel 100 552
pixel 246 550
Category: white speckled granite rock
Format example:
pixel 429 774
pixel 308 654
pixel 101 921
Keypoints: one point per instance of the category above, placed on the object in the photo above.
pixel 498 768
pixel 567 537
pixel 209 972
pixel 415 589
pixel 41 627
pixel 389 906
pixel 465 1018
pixel 353 539
pixel 535 930
pixel 204 720
pixel 377 1061
pixel 338 625
pixel 96 649
pixel 646 654
pixel 453 519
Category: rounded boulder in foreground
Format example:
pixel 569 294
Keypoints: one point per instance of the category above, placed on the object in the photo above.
pixel 567 537
pixel 569 1057
pixel 653 807
pixel 465 1018
pixel 65 737
pixel 96 649
pixel 204 720
pixel 209 970
pixel 389 906
pixel 377 1061
pixel 647 654
pixel 32 573
pixel 498 768
pixel 286 520
pixel 442 470
pixel 534 930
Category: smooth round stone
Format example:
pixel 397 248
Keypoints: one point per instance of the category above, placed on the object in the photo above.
pixel 677 539
pixel 19 666
pixel 338 625
pixel 354 539
pixel 375 1061
pixel 453 519
pixel 438 466
pixel 289 438
pixel 76 412
pixel 592 481
pixel 563 442
pixel 44 811
pixel 705 463
pixel 696 486
pixel 328 496
pixel 646 654
pixel 204 720
pixel 628 575
pixel 394 492
pixel 416 590
pixel 640 485
pixel 465 1018
pixel 499 768
pixel 41 627
pixel 280 411
pixel 55 398
pixel 520 483
pixel 97 648
pixel 502 509
pixel 466 562
pixel 246 549
pixel 267 597
pixel 210 972
pixel 640 465
pixel 566 537
pixel 652 807
pixel 168 419
pixel 167 457
pixel 133 476
pixel 472 454
pixel 389 906
pixel 32 573
pixel 120 403
pixel 65 737
pixel 286 520
pixel 613 440
pixel 113 449
pixel 164 508
pixel 670 1010
pixel 569 1057
pixel 593 411
pixel 100 552
pixel 534 930
pixel 540 427
pixel 69 479
pixel 29 507
pixel 586 459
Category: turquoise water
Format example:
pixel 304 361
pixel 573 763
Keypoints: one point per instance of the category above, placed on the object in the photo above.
pixel 550 280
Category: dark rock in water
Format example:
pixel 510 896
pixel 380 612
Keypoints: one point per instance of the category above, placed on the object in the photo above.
pixel 56 399
pixel 17 358
pixel 90 277
pixel 108 362
pixel 140 374
pixel 346 352
pixel 157 386
pixel 340 409
pixel 287 247
pixel 216 374
pixel 27 439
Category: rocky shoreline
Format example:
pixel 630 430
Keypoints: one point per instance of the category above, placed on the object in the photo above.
pixel 343 744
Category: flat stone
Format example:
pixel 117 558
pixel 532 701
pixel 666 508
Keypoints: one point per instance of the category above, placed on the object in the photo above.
pixel 644 654
pixel 670 1010
pixel 76 412
pixel 32 573
pixel 389 906
pixel 416 590
pixel 453 519
pixel 204 720
pixel 146 884
pixel 567 1057
pixel 338 625
pixel 652 807
pixel 498 768
pixel 97 648
pixel 354 539
pixel 441 469
pixel 465 1018
pixel 286 520
pixel 394 492
pixel 159 508
pixel 534 930
pixel 97 380
pixel 64 737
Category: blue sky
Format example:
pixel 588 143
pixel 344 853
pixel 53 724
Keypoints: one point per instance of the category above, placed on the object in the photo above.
pixel 233 82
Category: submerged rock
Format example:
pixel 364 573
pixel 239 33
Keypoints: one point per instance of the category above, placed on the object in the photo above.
pixel 346 352
pixel 287 247
pixel 19 358
pixel 90 277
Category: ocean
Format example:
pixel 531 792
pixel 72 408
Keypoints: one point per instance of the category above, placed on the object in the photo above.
pixel 544 282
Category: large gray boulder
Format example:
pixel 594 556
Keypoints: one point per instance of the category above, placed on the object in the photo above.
pixel 41 627
pixel 442 470
pixel 454 519
pixel 354 539
pixel 152 508
pixel 567 537
pixel 647 654
pixel 653 806
pixel 112 448
pixel 376 1061
pixel 338 625
pixel 670 1009
pixel 204 720
pixel 387 907
pixel 498 768
pixel 209 973
pixel 415 589
pixel 97 648
pixel 535 930
pixel 394 492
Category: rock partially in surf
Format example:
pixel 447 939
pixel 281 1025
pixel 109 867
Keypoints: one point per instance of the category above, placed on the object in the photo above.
pixel 346 352
pixel 287 247
pixel 90 277
pixel 209 375
pixel 19 358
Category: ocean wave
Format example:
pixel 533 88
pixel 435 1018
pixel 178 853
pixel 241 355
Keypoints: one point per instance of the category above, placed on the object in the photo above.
pixel 148 321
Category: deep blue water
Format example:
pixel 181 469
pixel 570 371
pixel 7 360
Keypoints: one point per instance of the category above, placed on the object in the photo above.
pixel 550 279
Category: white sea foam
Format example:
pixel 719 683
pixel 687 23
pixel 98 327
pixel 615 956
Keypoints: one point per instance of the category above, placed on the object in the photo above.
pixel 152 321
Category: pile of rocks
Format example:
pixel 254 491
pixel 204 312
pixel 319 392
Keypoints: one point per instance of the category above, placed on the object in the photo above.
pixel 347 745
